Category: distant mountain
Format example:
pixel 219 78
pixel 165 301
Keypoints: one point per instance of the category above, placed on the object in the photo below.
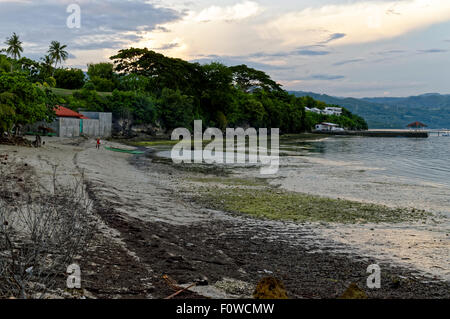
pixel 394 112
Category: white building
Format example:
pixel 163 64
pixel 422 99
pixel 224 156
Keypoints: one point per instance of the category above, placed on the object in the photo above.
pixel 328 127
pixel 333 111
pixel 316 110
pixel 327 111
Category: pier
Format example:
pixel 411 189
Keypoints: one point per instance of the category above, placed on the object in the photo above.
pixel 439 132
pixel 379 133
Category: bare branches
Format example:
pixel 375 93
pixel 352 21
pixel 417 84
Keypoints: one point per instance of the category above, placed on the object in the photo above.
pixel 41 236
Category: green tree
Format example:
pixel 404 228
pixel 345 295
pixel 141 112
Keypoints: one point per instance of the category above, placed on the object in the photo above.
pixel 29 103
pixel 7 113
pixel 46 67
pixel 140 107
pixel 71 79
pixel 216 91
pixel 14 48
pixel 57 52
pixel 246 79
pixel 101 70
pixel 134 82
pixel 175 109
pixel 5 65
pixel 101 84
pixel 162 71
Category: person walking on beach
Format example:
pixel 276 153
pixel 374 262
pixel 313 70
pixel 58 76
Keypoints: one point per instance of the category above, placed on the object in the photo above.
pixel 98 144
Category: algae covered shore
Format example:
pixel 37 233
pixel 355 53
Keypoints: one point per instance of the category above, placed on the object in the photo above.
pixel 247 197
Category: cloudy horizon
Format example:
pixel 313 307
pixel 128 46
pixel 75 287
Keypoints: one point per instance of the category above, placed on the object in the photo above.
pixel 359 48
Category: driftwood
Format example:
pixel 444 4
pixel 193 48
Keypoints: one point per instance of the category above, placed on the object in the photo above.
pixel 38 141
pixel 173 284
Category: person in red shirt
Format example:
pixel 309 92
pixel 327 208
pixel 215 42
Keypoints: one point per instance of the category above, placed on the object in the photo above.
pixel 98 143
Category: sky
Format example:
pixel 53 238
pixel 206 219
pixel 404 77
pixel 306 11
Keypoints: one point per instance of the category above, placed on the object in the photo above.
pixel 358 48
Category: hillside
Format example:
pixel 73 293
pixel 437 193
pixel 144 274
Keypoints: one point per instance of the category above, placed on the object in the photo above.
pixel 388 112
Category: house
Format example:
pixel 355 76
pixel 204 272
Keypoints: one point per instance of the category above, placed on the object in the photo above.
pixel 327 111
pixel 333 111
pixel 327 127
pixel 316 110
pixel 69 123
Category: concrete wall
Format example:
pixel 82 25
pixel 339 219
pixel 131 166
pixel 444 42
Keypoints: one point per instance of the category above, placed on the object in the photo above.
pixel 104 122
pixel 98 125
pixel 69 127
pixel 91 128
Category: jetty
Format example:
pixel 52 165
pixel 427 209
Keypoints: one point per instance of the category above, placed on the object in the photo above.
pixel 415 130
pixel 379 133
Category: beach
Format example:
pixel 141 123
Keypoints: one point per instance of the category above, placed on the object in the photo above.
pixel 155 218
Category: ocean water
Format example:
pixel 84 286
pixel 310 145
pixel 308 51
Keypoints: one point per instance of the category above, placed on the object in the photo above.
pixel 422 160
pixel 404 172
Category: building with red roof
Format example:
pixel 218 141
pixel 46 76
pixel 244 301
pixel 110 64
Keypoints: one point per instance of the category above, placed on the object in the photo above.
pixel 62 111
pixel 69 123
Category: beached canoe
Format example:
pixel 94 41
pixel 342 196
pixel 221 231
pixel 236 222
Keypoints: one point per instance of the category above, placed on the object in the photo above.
pixel 120 150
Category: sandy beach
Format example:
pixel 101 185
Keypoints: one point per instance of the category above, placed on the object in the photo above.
pixel 150 224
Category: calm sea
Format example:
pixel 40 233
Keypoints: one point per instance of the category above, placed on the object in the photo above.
pixel 425 160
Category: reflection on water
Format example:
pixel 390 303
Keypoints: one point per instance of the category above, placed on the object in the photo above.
pixel 426 160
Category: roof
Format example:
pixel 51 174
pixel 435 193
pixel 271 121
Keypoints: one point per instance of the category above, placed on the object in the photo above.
pixel 417 124
pixel 62 111
pixel 328 124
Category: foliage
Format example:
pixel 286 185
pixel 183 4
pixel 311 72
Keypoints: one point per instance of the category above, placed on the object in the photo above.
pixel 23 102
pixel 5 64
pixel 101 70
pixel 102 76
pixel 57 52
pixel 14 48
pixel 150 88
pixel 175 109
pixel 246 79
pixel 69 78
pixel 140 107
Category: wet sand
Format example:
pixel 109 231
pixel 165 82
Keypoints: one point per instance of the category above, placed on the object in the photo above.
pixel 150 227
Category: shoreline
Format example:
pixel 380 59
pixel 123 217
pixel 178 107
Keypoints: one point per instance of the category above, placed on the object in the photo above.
pixel 159 229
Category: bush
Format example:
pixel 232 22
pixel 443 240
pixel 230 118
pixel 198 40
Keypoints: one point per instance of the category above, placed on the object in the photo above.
pixel 40 237
pixel 101 84
pixel 72 79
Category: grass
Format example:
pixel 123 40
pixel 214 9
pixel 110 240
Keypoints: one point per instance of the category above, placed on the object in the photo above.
pixel 66 92
pixel 276 204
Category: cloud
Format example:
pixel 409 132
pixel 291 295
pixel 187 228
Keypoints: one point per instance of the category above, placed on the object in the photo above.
pixel 334 36
pixel 168 46
pixel 345 62
pixel 432 51
pixel 325 77
pixel 238 11
pixel 311 52
pixel 362 21
pixel 105 24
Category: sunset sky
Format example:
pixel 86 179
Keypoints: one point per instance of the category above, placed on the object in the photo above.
pixel 338 47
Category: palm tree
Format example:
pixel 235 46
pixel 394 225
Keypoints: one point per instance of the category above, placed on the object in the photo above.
pixel 57 52
pixel 47 65
pixel 14 46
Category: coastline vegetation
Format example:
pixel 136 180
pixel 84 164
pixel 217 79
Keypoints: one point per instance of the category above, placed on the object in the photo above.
pixel 142 87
